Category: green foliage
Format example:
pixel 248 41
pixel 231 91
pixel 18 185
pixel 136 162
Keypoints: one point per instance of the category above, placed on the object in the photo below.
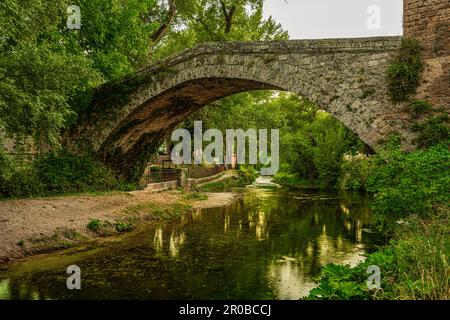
pixel 405 72
pixel 315 150
pixel 122 226
pixel 338 282
pixel 312 142
pixel 197 196
pixel 57 173
pixel 47 72
pixel 6 164
pixel 423 257
pixel 408 183
pixel 116 33
pixel 224 185
pixel 94 224
pixel 354 173
pixel 433 131
pixel 62 172
pixel 418 107
pixel 247 174
pixel 293 180
pixel 416 266
pixel 411 206
pixel 200 21
pixel 21 184
pixel 106 228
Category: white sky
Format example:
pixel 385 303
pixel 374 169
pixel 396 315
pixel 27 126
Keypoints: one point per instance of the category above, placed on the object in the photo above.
pixel 318 19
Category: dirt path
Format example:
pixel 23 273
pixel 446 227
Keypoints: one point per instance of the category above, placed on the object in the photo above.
pixel 225 175
pixel 26 224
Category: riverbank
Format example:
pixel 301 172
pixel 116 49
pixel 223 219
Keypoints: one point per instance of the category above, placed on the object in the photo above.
pixel 32 226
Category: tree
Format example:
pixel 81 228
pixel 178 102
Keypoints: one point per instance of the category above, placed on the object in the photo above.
pixel 199 21
pixel 48 71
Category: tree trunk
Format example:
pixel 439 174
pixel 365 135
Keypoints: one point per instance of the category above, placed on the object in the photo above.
pixel 228 15
pixel 162 30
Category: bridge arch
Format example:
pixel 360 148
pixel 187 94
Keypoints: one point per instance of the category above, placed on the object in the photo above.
pixel 346 77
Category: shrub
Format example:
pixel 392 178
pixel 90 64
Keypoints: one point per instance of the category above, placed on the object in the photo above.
pixel 433 131
pixel 294 181
pixel 354 173
pixel 337 282
pixel 404 73
pixel 57 173
pixel 6 164
pixel 284 178
pixel 94 224
pixel 21 184
pixel 122 226
pixel 418 107
pixel 62 172
pixel 247 175
pixel 405 184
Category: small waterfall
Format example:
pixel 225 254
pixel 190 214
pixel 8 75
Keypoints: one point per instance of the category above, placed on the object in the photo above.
pixel 265 181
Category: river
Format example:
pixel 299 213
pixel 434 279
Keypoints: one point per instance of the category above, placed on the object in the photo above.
pixel 268 245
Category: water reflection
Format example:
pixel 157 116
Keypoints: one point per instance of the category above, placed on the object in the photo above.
pixel 268 245
pixel 176 241
pixel 158 240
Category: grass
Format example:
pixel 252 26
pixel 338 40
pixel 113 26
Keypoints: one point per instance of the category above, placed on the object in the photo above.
pixel 123 226
pixel 422 258
pixel 106 228
pixel 196 196
pixel 94 224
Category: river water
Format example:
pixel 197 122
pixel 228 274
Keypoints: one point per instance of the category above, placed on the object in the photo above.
pixel 268 245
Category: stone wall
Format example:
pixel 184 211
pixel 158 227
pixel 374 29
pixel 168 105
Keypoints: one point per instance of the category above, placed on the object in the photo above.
pixel 429 21
pixel 162 186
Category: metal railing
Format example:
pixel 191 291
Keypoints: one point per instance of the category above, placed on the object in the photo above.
pixel 162 175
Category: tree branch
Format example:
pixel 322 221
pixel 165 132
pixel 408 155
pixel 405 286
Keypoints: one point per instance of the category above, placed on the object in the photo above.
pixel 162 30
pixel 228 16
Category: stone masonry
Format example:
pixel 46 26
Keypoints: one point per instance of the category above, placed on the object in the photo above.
pixel 346 77
pixel 429 21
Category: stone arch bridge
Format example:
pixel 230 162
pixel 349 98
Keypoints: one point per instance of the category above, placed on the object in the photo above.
pixel 346 77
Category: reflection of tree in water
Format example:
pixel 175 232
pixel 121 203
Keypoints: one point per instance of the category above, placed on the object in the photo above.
pixel 261 247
